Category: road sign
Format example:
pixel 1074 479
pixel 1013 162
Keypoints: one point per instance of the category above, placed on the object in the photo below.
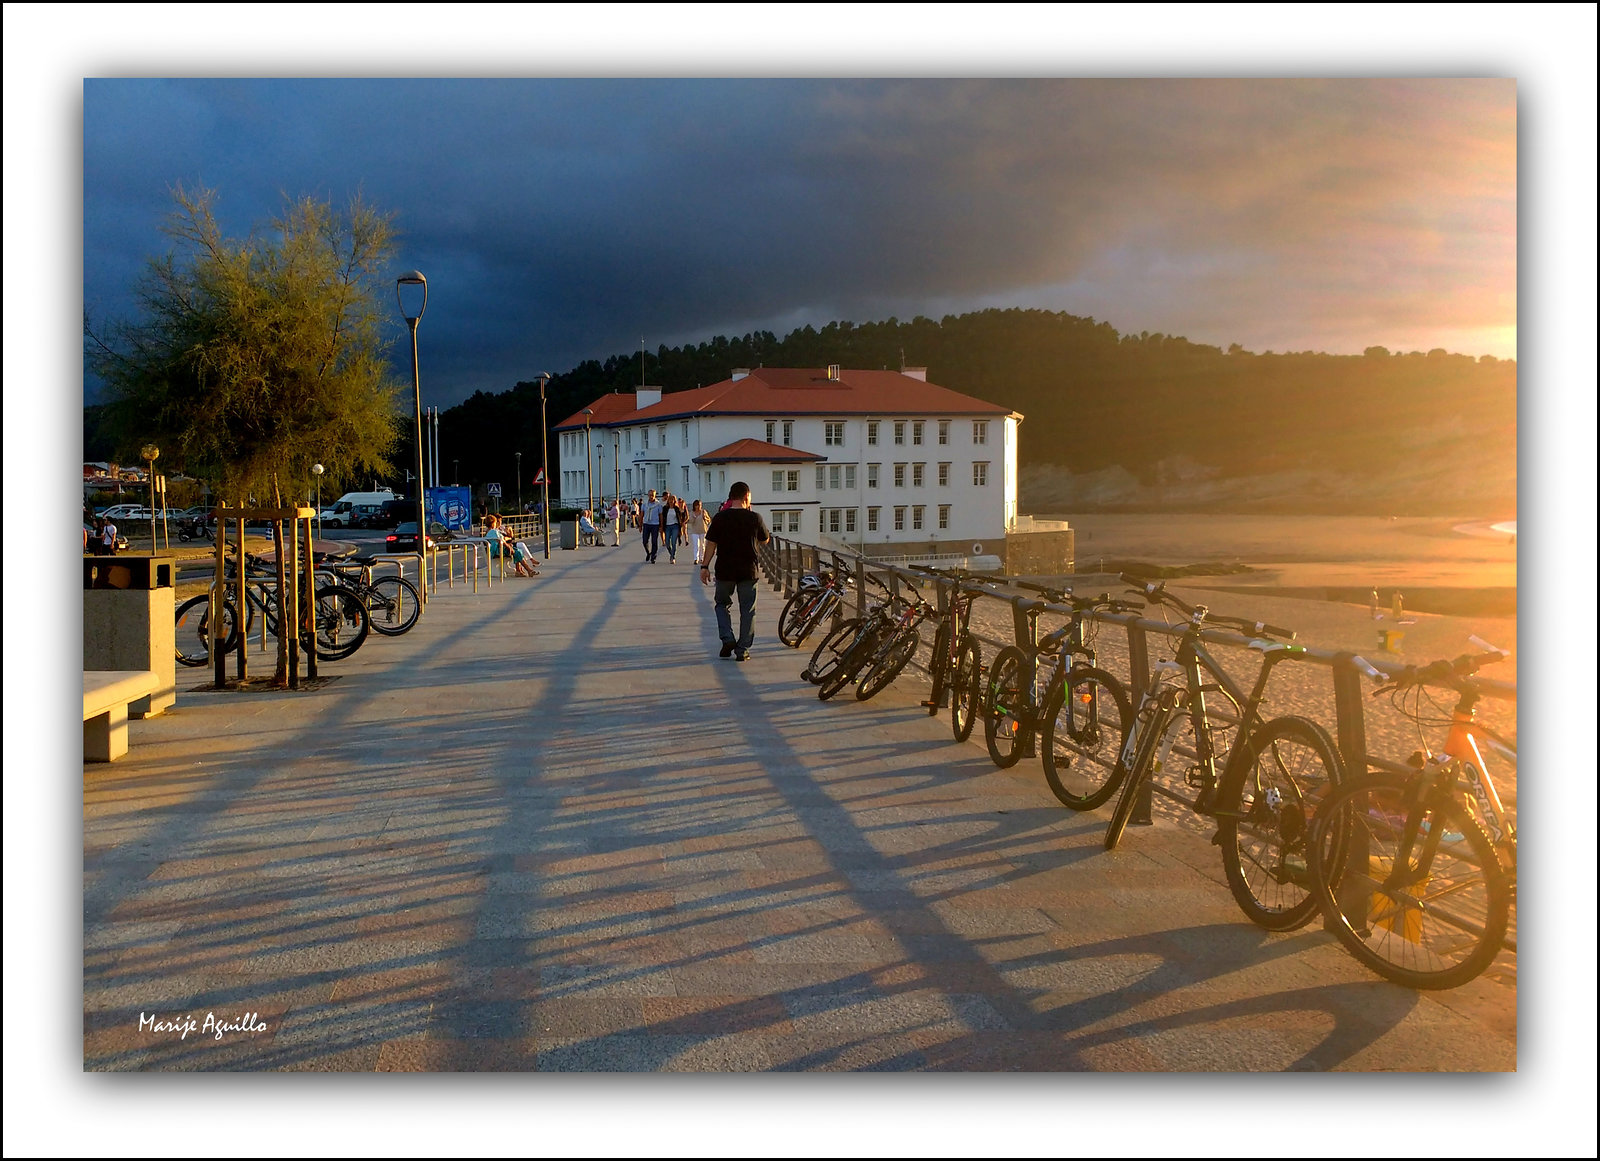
pixel 494 490
pixel 539 477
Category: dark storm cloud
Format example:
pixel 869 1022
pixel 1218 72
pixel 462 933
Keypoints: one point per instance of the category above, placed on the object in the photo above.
pixel 560 220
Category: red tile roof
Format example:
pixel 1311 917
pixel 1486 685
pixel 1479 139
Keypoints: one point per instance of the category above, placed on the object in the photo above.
pixel 609 408
pixel 793 391
pixel 755 451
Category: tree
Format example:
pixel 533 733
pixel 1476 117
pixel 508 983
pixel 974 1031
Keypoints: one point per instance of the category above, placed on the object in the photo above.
pixel 251 359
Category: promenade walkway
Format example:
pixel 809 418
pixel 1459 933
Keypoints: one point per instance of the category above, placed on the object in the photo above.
pixel 548 829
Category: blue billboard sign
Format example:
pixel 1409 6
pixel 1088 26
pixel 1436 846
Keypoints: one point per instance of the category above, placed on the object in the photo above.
pixel 451 507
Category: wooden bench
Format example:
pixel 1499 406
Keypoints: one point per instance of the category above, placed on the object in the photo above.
pixel 106 694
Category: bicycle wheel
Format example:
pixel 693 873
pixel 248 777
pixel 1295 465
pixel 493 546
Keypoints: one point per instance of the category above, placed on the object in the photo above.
pixel 814 616
pixel 827 655
pixel 1086 721
pixel 192 630
pixel 1425 920
pixel 342 622
pixel 393 605
pixel 966 687
pixel 1264 809
pixel 940 667
pixel 1007 726
pixel 793 609
pixel 888 664
pixel 849 665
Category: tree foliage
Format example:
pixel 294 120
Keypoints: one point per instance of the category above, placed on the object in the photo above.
pixel 251 359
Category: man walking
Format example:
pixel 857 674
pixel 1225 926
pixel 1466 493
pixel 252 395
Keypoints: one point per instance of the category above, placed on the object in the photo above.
pixel 651 519
pixel 731 558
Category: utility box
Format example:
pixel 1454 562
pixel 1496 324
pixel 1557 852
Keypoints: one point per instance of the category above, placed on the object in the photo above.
pixel 128 608
pixel 569 534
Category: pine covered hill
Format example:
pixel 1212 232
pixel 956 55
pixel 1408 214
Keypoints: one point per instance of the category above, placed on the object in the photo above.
pixel 1144 421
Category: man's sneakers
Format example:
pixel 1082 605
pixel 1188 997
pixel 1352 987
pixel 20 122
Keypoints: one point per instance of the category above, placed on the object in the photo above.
pixel 727 650
pixel 741 655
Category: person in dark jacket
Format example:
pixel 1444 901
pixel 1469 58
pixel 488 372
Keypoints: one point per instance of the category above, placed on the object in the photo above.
pixel 731 558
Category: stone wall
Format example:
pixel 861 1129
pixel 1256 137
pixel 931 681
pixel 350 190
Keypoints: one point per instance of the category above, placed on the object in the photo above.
pixel 1041 553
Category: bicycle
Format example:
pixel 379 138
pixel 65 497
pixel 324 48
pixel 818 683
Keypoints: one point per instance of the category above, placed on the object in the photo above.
pixel 1082 711
pixel 818 596
pixel 341 618
pixel 392 602
pixel 1262 788
pixel 957 664
pixel 842 638
pixel 886 642
pixel 1415 866
pixel 895 650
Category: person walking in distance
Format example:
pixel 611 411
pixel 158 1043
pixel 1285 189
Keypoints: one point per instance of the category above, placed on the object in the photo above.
pixel 614 517
pixel 697 523
pixel 671 527
pixel 650 519
pixel 731 558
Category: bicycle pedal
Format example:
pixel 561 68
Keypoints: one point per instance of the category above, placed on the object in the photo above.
pixel 930 704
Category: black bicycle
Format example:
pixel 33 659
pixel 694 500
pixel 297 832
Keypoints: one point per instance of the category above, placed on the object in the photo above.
pixel 837 644
pixel 392 602
pixel 1081 710
pixel 818 596
pixel 957 664
pixel 1262 787
pixel 341 617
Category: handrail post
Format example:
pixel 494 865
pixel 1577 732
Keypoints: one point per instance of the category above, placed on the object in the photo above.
pixel 861 586
pixel 1350 718
pixel 1139 681
pixel 1026 630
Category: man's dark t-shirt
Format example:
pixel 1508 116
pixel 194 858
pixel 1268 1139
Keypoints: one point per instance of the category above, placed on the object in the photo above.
pixel 735 532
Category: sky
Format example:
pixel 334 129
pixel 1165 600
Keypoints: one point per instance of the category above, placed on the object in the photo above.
pixel 1232 218
pixel 560 219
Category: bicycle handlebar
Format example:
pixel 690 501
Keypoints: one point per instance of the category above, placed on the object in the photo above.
pixel 1451 673
pixel 1156 593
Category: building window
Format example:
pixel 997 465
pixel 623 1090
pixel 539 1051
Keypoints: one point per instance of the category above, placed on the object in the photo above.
pixel 872 475
pixel 944 431
pixel 662 432
pixel 788 433
pixel 872 519
pixel 786 520
pixel 686 479
pixel 777 482
pixel 899 475
pixel 849 519
pixel 980 474
pixel 944 516
pixel 772 430
pixel 916 433
pixel 980 431
pixel 872 435
pixel 793 478
pixel 917 471
pixel 627 438
pixel 849 476
pixel 833 434
pixel 916 518
pixel 685 434
pixel 835 476
pixel 627 474
pixel 822 477
pixel 722 477
pixel 708 479
pixel 833 520
pixel 644 438
pixel 899 433
pixel 794 520
pixel 899 519
pixel 944 475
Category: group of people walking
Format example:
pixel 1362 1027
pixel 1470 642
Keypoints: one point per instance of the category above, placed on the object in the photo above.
pixel 665 521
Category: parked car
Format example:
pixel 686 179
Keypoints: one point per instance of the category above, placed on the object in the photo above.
pixel 404 537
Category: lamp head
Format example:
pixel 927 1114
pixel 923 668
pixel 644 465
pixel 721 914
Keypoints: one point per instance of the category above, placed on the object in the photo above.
pixel 413 279
pixel 316 469
pixel 149 452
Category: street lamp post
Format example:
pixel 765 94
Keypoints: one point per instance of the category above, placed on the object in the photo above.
pixel 317 470
pixel 149 454
pixel 544 461
pixel 414 279
pixel 519 483
pixel 616 468
pixel 588 467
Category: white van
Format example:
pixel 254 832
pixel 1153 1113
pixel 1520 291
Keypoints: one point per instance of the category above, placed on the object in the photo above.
pixel 353 509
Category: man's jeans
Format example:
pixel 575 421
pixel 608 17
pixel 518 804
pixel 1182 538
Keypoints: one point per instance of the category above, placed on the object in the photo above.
pixel 651 531
pixel 747 612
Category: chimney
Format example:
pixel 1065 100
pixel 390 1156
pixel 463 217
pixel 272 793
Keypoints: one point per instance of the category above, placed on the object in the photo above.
pixel 740 373
pixel 920 373
pixel 645 396
pixel 833 372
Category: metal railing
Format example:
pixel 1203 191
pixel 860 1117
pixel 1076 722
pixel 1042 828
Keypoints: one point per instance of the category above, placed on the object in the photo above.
pixel 785 561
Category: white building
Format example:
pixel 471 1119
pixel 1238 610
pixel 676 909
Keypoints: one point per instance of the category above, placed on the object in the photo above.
pixel 880 461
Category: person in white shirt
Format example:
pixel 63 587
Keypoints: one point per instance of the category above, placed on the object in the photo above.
pixel 108 539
